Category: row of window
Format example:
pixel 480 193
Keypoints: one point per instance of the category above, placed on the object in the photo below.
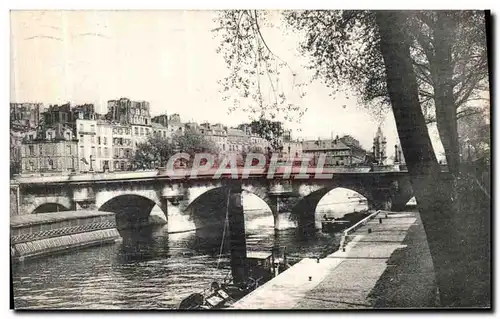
pixel 48 150
pixel 122 152
pixel 101 151
pixel 159 133
pixel 122 141
pixel 103 140
pixel 121 131
pixel 92 128
pixel 142 131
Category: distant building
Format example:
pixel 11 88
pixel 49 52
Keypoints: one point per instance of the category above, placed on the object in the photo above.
pixel 217 133
pixel 56 151
pixel 337 152
pixel 161 119
pixel 94 145
pixel 122 147
pixel 160 130
pixel 292 149
pixel 84 112
pixel 175 126
pixel 25 115
pixel 58 114
pixel 379 147
pixel 124 111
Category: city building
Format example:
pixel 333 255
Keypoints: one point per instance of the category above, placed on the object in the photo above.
pixel 125 111
pixel 122 144
pixel 25 115
pixel 161 119
pixel 159 130
pixel 54 151
pixel 94 145
pixel 337 152
pixel 217 133
pixel 238 141
pixel 175 126
pixel 84 112
pixel 58 114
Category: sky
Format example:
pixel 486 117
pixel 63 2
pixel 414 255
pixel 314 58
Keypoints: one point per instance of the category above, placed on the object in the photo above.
pixel 169 59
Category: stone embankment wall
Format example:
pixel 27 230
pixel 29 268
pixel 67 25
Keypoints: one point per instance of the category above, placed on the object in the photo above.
pixel 44 234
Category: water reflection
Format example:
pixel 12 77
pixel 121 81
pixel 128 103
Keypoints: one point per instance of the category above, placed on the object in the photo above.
pixel 151 268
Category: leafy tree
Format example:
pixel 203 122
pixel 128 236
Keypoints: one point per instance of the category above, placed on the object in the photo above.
pixel 272 131
pixel 373 51
pixel 154 151
pixel 448 52
pixel 193 142
pixel 474 133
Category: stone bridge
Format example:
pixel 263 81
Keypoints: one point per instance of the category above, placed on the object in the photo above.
pixel 132 195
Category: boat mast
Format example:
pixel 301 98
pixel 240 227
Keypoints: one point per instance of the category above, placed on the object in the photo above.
pixel 239 265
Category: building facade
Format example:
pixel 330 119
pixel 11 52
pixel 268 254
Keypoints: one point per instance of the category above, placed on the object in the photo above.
pixel 54 152
pixel 27 115
pixel 125 111
pixel 122 144
pixel 337 152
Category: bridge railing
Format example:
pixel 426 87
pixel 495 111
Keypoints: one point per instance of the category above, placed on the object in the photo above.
pixel 346 237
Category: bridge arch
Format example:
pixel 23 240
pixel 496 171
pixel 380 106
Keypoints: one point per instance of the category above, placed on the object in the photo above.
pixel 131 210
pixel 305 211
pixel 209 207
pixel 42 203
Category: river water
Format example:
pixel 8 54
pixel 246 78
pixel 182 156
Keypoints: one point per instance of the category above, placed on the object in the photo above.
pixel 151 268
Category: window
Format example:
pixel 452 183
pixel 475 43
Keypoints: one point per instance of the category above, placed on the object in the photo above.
pixel 31 150
pixel 142 131
pixel 82 151
pixel 99 140
pixel 106 152
pixel 40 148
pixel 92 128
pixel 30 137
pixel 136 131
pixel 68 135
pixel 81 127
pixel 92 139
pixel 147 131
pixel 49 135
pixel 99 154
pixel 68 149
pixel 105 140
pixel 81 137
pixel 164 134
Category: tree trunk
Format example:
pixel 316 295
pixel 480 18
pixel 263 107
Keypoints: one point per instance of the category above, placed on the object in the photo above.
pixel 442 69
pixel 432 190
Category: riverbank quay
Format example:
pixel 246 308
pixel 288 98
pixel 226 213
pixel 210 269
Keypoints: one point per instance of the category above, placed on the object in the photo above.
pixel 385 263
pixel 44 234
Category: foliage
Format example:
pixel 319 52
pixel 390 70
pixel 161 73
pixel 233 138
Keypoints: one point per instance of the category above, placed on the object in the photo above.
pixel 474 132
pixel 344 47
pixel 193 142
pixel 272 131
pixel 447 49
pixel 254 70
pixel 154 151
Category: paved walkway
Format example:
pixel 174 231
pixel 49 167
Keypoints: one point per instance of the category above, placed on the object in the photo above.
pixel 387 268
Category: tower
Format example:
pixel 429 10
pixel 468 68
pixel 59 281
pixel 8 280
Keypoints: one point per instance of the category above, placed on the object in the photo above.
pixel 379 147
